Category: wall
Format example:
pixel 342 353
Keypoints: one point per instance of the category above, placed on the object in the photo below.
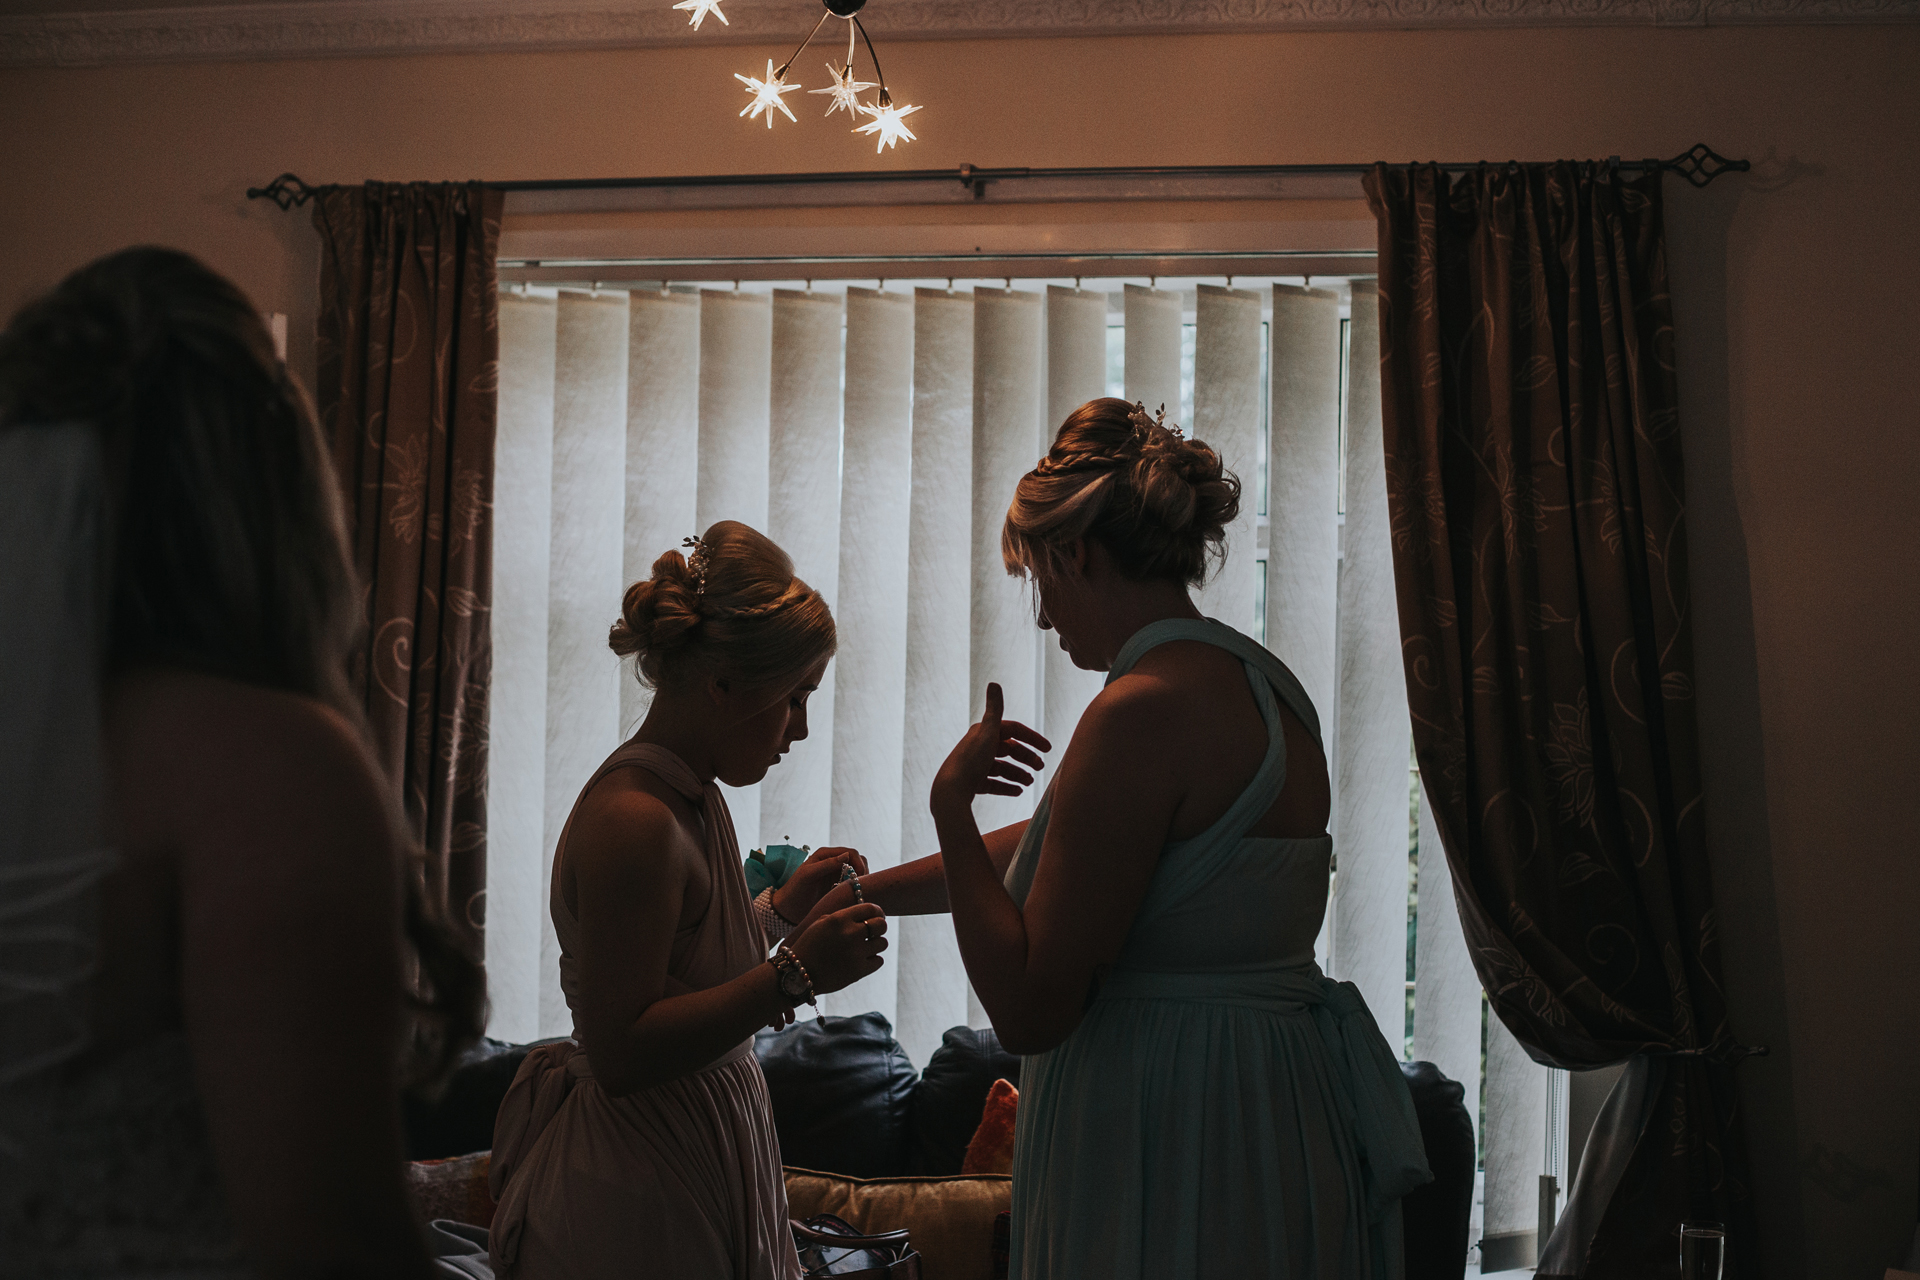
pixel 1796 329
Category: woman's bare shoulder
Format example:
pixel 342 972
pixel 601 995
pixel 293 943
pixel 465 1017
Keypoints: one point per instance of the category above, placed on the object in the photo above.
pixel 627 812
pixel 202 762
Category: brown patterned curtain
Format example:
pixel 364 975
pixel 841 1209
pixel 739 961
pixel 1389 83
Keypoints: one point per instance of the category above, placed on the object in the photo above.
pixel 1534 479
pixel 407 373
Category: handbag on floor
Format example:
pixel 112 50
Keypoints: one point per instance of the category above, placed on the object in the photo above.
pixel 830 1247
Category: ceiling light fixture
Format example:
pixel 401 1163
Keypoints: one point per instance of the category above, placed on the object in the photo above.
pixel 886 121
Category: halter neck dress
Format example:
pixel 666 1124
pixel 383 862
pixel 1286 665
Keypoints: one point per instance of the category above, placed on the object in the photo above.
pixel 1223 1108
pixel 681 1179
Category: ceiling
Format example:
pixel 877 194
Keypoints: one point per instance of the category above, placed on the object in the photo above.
pixel 84 32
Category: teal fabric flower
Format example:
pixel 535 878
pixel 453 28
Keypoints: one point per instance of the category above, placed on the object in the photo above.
pixel 769 868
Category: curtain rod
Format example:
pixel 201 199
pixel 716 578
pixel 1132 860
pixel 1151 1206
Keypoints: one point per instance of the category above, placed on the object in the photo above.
pixel 1699 165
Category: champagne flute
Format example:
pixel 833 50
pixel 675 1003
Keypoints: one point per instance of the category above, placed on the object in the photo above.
pixel 1703 1250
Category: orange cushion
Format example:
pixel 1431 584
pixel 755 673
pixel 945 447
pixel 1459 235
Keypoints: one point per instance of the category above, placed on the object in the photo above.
pixel 991 1150
pixel 454 1188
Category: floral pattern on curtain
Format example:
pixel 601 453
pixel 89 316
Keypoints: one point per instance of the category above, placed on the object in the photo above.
pixel 1538 518
pixel 408 372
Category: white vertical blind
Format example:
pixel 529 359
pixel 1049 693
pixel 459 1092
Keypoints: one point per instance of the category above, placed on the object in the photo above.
pixel 1007 399
pixel 736 375
pixel 1446 1007
pixel 1303 491
pixel 803 516
pixel 1152 346
pixel 586 572
pixel 1515 1151
pixel 517 703
pixel 1370 787
pixel 1226 414
pixel 1076 373
pixel 869 719
pixel 663 444
pixel 932 983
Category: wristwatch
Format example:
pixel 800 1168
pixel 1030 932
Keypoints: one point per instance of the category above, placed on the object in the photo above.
pixel 796 987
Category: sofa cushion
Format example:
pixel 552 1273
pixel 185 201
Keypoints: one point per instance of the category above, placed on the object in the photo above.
pixel 453 1189
pixel 947 1103
pixel 1435 1217
pixel 949 1221
pixel 457 1117
pixel 841 1090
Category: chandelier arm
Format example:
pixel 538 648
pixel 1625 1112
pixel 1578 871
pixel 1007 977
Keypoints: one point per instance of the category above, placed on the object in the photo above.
pixel 885 99
pixel 782 72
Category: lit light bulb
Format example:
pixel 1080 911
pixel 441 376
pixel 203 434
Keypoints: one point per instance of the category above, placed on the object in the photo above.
pixel 766 94
pixel 845 90
pixel 888 124
pixel 699 9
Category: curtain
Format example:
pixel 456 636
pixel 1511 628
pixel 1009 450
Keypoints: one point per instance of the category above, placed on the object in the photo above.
pixel 1531 438
pixel 407 380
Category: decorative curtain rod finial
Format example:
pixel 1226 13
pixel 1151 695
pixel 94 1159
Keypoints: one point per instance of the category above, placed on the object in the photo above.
pixel 287 191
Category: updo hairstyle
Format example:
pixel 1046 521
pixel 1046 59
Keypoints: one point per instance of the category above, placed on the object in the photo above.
pixel 754 622
pixel 1158 503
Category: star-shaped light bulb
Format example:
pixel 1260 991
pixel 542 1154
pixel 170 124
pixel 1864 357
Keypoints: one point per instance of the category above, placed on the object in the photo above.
pixel 845 90
pixel 766 94
pixel 697 10
pixel 888 123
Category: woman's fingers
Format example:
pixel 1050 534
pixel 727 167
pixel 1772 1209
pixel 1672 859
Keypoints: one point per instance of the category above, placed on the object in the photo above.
pixel 1012 772
pixel 996 705
pixel 1014 751
pixel 1012 729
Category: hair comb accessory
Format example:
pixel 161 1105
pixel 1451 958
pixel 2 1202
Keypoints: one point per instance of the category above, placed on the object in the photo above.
pixel 697 562
pixel 1146 424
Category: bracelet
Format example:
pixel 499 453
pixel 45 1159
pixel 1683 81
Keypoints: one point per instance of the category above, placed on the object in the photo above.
pixel 849 876
pixel 774 925
pixel 790 977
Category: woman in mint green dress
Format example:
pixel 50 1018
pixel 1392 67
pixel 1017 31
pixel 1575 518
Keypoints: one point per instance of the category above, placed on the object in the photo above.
pixel 1197 1099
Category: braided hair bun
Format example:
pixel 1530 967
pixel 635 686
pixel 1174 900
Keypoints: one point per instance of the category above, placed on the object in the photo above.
pixel 731 606
pixel 1158 502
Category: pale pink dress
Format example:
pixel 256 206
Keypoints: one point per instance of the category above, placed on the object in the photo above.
pixel 682 1179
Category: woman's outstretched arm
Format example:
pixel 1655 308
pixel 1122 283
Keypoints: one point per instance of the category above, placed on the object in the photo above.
pixel 919 888
pixel 1112 805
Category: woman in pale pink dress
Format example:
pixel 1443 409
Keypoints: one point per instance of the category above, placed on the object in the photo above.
pixel 645 1145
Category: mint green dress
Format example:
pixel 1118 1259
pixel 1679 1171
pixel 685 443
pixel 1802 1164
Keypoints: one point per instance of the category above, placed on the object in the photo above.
pixel 1223 1110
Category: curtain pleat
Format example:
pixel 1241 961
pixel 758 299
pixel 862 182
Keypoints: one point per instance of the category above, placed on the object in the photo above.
pixel 932 984
pixel 803 516
pixel 663 446
pixel 1534 465
pixel 1370 759
pixel 869 717
pixel 517 703
pixel 1076 373
pixel 1226 415
pixel 407 375
pixel 736 377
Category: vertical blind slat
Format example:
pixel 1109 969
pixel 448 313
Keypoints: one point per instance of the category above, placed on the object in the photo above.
pixel 1303 491
pixel 1076 373
pixel 932 982
pixel 869 721
pixel 1226 414
pixel 1152 347
pixel 803 516
pixel 517 699
pixel 1446 1006
pixel 585 572
pixel 663 444
pixel 1515 1140
pixel 1007 400
pixel 736 376
pixel 1374 740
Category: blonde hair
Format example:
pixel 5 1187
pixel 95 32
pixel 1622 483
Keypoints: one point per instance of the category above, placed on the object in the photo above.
pixel 1158 503
pixel 749 619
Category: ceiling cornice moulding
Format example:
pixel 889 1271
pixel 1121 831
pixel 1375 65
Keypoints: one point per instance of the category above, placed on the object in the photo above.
pixel 356 28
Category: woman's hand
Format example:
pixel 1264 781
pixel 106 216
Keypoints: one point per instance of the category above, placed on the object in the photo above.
pixel 796 899
pixel 840 949
pixel 988 760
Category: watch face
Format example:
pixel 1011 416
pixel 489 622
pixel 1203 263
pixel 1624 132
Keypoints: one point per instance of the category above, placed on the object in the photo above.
pixel 792 985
